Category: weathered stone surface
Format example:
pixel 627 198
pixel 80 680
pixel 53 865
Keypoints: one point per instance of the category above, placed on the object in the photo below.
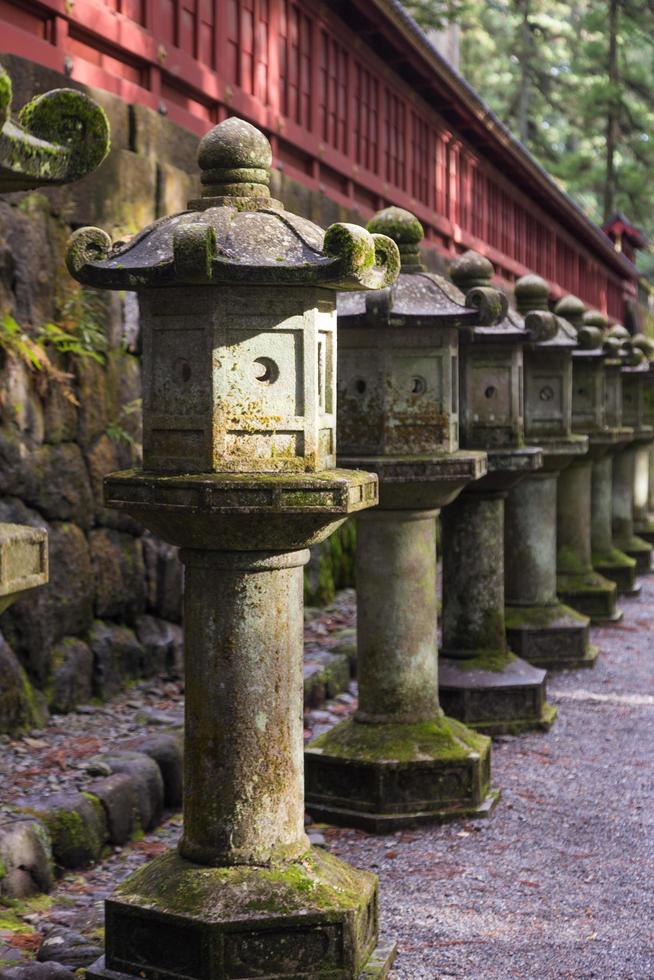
pixel 165 578
pixel 76 825
pixel 167 751
pixel 117 657
pixel 70 590
pixel 38 971
pixel 53 479
pixel 70 948
pixel 325 675
pixel 107 455
pixel 92 415
pixel 331 566
pixel 160 642
pixel 25 858
pixel 146 776
pixel 118 794
pixel 119 574
pixel 71 682
pixel 59 412
pixel 20 403
pixel 21 707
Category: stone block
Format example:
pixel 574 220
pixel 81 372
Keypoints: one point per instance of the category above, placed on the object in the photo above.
pixel 21 707
pixel 76 825
pixel 92 416
pixel 69 948
pixel 146 776
pixel 119 797
pixel 117 657
pixel 165 578
pixel 38 971
pixel 20 403
pixel 59 413
pixel 71 682
pixel 119 574
pixel 26 866
pixel 70 590
pixel 107 455
pixel 325 675
pixel 52 479
pixel 159 641
pixel 167 751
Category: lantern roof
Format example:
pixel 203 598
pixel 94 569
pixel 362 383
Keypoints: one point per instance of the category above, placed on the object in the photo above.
pixel 590 326
pixel 548 330
pixel 472 271
pixel 235 233
pixel 417 298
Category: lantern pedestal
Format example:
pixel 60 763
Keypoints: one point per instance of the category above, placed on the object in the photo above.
pixel 577 583
pixel 244 893
pixel 313 917
pixel 624 534
pixel 481 682
pixel 399 761
pixel 540 628
pixel 608 560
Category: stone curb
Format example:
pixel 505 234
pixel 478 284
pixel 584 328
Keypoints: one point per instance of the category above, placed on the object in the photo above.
pixel 136 780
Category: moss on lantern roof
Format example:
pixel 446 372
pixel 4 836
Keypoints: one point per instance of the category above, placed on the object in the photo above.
pixel 547 329
pixel 473 273
pixel 235 233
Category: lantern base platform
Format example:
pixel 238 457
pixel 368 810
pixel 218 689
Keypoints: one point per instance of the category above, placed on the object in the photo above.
pixel 174 919
pixel 640 551
pixel 387 775
pixel 619 568
pixel 551 636
pixel 645 529
pixel 497 694
pixel 590 594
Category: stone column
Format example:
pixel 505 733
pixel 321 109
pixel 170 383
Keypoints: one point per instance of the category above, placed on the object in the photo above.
pixel 397 668
pixel 624 535
pixel 482 681
pixel 607 559
pixel 243 632
pixel 578 583
pixel 540 628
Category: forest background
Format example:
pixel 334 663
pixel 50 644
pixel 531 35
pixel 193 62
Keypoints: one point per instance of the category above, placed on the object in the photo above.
pixel 575 83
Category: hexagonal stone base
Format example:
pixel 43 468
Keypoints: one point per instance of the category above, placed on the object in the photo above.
pixel 590 594
pixel 381 777
pixel 555 637
pixel 641 552
pixel 506 701
pixel 314 919
pixel 619 568
pixel 645 530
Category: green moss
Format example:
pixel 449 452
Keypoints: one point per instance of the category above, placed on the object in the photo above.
pixel 495 660
pixel 613 558
pixel 5 95
pixel 3 869
pixel 587 582
pixel 536 617
pixel 66 117
pixel 444 739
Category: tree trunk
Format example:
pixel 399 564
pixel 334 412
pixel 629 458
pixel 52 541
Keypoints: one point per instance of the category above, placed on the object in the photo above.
pixel 525 56
pixel 612 120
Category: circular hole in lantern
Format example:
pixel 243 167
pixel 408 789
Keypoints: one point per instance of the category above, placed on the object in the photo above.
pixel 491 391
pixel 182 369
pixel 418 386
pixel 360 386
pixel 265 370
pixel 546 394
pixel 581 391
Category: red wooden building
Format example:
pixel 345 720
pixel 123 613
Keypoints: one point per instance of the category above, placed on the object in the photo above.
pixel 356 102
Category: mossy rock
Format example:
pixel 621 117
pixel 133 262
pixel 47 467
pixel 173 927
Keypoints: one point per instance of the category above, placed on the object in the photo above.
pixel 443 738
pixel 331 566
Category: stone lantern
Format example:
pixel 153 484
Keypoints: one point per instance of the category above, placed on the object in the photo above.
pixel 578 583
pixel 540 628
pixel 643 519
pixel 607 558
pixel 398 760
pixel 482 683
pixel 238 315
pixel 59 137
pixel 635 371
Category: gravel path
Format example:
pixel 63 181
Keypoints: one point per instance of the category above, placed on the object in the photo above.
pixel 559 883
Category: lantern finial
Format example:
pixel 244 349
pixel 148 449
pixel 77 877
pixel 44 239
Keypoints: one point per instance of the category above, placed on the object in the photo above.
pixel 235 159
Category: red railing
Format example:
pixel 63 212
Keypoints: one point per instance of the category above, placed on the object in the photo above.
pixel 339 117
